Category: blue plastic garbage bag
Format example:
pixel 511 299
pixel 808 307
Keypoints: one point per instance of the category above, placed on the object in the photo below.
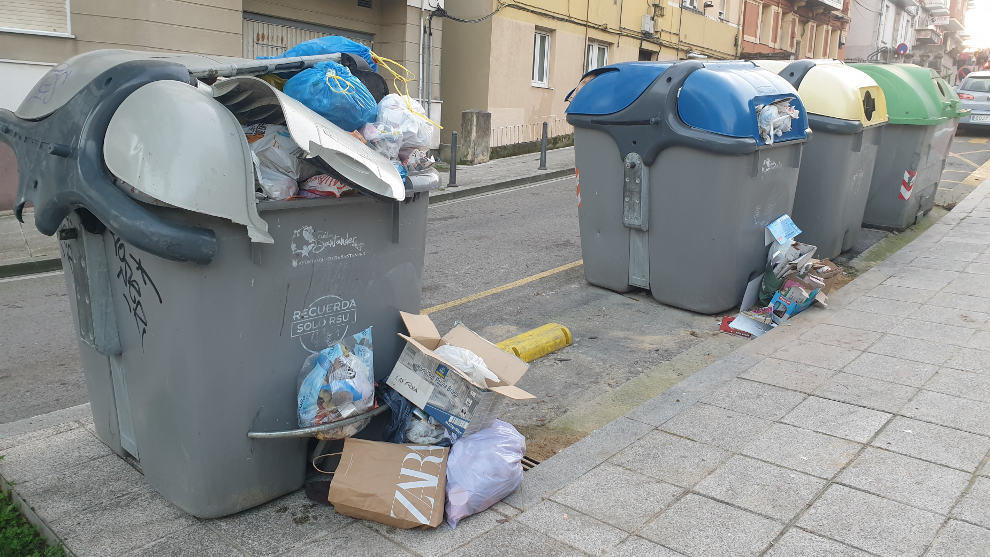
pixel 328 45
pixel 331 91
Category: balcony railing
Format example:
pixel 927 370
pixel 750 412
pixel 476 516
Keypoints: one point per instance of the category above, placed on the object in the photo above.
pixel 937 7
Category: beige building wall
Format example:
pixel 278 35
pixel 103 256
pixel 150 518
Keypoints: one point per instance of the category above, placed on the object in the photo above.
pixel 466 63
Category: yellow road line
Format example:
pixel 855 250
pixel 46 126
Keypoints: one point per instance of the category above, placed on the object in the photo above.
pixel 503 288
pixel 978 140
pixel 964 159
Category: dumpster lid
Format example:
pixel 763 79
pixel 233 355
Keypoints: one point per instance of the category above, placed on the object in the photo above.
pixel 720 97
pixel 915 95
pixel 834 89
pixel 253 100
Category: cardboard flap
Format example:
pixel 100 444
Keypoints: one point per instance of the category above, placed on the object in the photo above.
pixel 420 326
pixel 507 366
pixel 512 391
pixel 426 346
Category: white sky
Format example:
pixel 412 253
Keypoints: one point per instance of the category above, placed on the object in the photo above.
pixel 978 25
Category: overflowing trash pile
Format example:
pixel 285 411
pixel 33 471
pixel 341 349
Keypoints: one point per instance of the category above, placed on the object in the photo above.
pixel 355 98
pixel 792 282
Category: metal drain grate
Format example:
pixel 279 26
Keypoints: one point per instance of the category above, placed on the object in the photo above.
pixel 529 463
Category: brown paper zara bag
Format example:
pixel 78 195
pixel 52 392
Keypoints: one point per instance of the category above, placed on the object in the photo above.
pixel 399 485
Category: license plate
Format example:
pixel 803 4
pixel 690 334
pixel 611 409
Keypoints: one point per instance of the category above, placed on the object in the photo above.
pixel 980 118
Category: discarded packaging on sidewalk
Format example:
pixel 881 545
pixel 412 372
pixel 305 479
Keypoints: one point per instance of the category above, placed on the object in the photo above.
pixel 446 393
pixel 399 485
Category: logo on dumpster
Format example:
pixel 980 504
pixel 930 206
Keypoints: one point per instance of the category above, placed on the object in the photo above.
pixel 311 246
pixel 324 322
pixel 769 165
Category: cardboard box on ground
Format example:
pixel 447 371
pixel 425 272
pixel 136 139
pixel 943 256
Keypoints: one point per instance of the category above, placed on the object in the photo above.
pixel 445 392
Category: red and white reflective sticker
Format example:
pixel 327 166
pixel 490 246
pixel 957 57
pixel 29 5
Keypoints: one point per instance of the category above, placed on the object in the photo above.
pixel 907 182
pixel 577 178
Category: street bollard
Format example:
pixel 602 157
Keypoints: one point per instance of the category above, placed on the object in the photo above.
pixel 452 182
pixel 543 149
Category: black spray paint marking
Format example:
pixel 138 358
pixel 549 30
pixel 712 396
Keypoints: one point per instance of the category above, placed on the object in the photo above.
pixel 129 272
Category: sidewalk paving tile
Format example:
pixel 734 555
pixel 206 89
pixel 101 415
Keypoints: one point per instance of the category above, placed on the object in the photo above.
pixel 798 543
pixel 902 293
pixel 617 496
pixel 64 451
pixel 511 538
pixel 821 355
pixel 803 450
pixel 980 341
pixel 970 285
pixel 947 410
pixel 280 524
pixel 837 418
pixel 671 458
pixel 355 539
pixel 443 539
pixel 701 527
pixel 636 546
pixel 961 301
pixel 197 539
pixel 891 369
pixel 866 391
pixel 934 443
pixel 841 335
pixel 572 527
pixel 789 375
pixel 914 349
pixel 870 522
pixel 72 490
pixel 761 487
pixel 931 262
pixel 970 359
pixel 121 525
pixel 965 384
pixel 870 304
pixel 965 317
pixel 978 268
pixel 934 332
pixel 975 506
pixel 917 277
pixel 716 426
pixel 905 479
pixel 959 539
pixel 863 319
pixel 755 399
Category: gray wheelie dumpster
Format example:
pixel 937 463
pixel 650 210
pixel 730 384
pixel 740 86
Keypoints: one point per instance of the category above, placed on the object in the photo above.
pixel 678 178
pixel 847 112
pixel 195 304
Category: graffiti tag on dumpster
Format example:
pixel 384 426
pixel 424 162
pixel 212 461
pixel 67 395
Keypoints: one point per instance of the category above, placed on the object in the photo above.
pixel 322 323
pixel 311 246
pixel 134 277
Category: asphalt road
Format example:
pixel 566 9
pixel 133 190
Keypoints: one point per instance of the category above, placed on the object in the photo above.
pixel 626 347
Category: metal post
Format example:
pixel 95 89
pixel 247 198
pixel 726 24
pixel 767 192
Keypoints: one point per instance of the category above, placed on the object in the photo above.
pixel 543 149
pixel 452 182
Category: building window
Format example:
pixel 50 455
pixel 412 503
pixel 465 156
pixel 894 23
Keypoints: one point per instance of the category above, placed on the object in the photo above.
pixel 766 24
pixel 646 55
pixel 597 56
pixel 751 22
pixel 722 8
pixel 541 59
pixel 37 17
pixel 809 40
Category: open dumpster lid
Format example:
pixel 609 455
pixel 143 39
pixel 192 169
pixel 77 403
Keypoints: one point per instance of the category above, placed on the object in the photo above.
pixel 915 95
pixel 719 97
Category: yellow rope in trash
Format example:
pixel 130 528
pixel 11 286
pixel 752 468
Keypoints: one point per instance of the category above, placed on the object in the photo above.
pixel 402 79
pixel 343 86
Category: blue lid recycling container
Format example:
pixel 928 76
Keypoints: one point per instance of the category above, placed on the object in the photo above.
pixel 680 166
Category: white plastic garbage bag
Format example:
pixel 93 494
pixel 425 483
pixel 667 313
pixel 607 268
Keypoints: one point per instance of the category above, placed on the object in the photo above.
pixel 277 159
pixel 468 362
pixel 394 111
pixel 482 469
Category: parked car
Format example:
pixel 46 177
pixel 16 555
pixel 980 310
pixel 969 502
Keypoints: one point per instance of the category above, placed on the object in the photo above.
pixel 974 92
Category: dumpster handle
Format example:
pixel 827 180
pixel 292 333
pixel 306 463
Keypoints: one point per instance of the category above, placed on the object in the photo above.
pixel 312 431
pixel 795 71
pixel 61 168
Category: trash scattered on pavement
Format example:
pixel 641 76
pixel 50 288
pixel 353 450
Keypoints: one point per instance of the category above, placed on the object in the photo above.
pixel 482 469
pixel 398 485
pixel 445 392
pixel 744 326
pixel 336 383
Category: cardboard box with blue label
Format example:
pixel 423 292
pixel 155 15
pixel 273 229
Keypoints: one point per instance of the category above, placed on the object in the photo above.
pixel 446 393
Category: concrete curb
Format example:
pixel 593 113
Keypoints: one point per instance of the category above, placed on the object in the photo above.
pixel 55 263
pixel 30 267
pixel 456 192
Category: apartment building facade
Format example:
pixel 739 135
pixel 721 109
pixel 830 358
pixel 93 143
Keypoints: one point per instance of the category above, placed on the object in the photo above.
pixel 519 60
pixel 793 29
